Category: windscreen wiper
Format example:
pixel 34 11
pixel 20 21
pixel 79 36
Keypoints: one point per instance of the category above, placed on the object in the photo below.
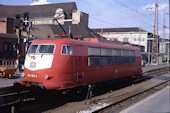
pixel 44 51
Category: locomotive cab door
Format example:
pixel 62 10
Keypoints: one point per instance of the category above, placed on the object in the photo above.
pixel 79 64
pixel 79 69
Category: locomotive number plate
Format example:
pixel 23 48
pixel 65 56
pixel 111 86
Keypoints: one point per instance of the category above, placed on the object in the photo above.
pixel 32 75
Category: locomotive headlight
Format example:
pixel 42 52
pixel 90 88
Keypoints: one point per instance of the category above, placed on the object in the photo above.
pixel 46 76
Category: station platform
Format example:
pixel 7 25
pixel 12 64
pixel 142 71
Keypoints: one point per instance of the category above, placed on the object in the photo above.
pixel 5 82
pixel 156 103
pixel 154 67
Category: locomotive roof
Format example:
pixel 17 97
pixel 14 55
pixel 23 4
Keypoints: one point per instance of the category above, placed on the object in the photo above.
pixel 125 29
pixel 86 43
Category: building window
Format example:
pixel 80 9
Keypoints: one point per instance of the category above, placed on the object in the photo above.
pixel 134 39
pixel 125 39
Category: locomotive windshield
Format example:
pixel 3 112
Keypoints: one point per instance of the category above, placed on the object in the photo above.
pixel 41 49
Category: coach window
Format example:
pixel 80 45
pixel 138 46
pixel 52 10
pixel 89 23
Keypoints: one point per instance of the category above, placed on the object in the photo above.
pixel 66 49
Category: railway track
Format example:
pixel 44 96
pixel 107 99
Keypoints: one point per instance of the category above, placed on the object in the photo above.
pixel 10 98
pixel 118 103
pixel 122 101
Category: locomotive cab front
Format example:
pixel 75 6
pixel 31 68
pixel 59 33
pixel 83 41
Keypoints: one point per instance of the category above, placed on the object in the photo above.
pixel 49 65
pixel 38 63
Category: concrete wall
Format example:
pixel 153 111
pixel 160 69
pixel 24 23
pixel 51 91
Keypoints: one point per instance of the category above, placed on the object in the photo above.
pixel 77 17
pixel 80 18
pixel 162 47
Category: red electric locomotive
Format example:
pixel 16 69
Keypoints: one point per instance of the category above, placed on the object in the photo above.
pixel 58 64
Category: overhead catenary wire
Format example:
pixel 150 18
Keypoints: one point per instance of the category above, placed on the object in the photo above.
pixel 137 12
pixel 132 16
pixel 115 25
pixel 104 21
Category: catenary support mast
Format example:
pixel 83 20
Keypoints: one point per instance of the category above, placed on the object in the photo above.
pixel 155 51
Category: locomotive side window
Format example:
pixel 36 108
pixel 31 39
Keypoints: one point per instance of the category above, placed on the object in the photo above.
pixel 133 56
pixel 94 61
pixel 32 49
pixel 95 51
pixel 125 56
pixel 117 58
pixel 107 60
pixel 116 52
pixel 66 50
pixel 108 56
pixel 106 52
pixel 94 58
pixel 69 49
pixel 132 53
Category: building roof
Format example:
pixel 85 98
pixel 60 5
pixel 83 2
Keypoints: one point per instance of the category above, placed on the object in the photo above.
pixel 47 10
pixel 9 36
pixel 5 35
pixel 127 29
pixel 44 31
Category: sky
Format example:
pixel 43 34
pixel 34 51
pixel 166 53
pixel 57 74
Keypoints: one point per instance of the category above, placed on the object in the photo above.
pixel 114 13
